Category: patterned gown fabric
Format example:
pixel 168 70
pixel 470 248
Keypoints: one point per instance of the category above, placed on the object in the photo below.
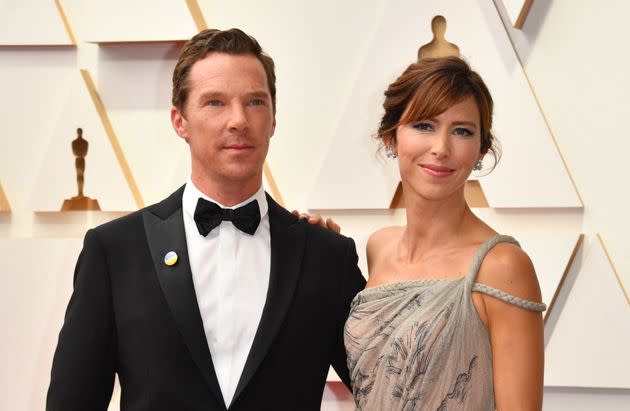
pixel 420 345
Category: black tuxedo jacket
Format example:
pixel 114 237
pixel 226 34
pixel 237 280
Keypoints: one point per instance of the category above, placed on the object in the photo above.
pixel 133 315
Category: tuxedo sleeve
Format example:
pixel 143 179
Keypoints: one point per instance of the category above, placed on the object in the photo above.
pixel 351 282
pixel 82 375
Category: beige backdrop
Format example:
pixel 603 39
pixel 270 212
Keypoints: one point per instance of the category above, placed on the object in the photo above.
pixel 561 90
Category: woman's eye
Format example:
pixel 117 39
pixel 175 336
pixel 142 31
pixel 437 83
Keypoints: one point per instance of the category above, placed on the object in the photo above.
pixel 461 131
pixel 423 126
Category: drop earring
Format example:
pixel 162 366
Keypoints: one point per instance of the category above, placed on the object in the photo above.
pixel 389 152
pixel 478 166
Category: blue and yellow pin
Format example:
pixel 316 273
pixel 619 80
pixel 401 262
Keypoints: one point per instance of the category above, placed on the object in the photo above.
pixel 170 258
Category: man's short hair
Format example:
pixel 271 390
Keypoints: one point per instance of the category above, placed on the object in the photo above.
pixel 232 41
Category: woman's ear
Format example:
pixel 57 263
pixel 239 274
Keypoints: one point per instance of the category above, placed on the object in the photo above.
pixel 389 143
pixel 390 139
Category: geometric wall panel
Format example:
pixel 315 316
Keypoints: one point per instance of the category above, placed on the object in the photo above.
pixel 33 22
pixel 104 178
pixel 134 84
pixel 4 203
pixel 197 15
pixel 111 134
pixel 337 398
pixel 552 256
pixel 517 11
pixel 531 172
pixel 135 21
pixel 474 195
pixel 590 340
pixel 114 403
pixel 37 282
pixel 270 185
pixel 31 80
pixel 581 399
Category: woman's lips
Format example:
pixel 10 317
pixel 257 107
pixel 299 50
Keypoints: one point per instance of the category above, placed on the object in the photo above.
pixel 437 171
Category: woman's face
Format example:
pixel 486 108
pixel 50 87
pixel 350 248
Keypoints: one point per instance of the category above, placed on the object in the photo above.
pixel 436 155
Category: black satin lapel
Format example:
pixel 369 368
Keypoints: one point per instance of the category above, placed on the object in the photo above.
pixel 287 249
pixel 164 234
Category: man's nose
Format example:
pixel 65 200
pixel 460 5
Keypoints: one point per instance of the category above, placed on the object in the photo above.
pixel 238 118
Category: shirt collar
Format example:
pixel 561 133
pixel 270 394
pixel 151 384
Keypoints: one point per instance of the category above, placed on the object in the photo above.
pixel 192 193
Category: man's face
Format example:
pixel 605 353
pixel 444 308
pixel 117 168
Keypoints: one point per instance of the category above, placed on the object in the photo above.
pixel 227 121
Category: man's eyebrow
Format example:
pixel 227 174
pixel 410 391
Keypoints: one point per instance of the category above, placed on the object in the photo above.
pixel 209 94
pixel 259 93
pixel 214 94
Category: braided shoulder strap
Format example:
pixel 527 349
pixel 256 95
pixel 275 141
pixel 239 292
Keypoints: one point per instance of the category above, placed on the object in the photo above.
pixel 482 288
pixel 509 298
pixel 481 254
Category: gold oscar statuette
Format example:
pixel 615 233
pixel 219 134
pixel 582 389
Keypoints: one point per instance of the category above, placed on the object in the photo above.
pixel 80 202
pixel 438 47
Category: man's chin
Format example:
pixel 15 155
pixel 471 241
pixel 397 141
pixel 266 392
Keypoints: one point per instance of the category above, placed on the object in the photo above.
pixel 243 175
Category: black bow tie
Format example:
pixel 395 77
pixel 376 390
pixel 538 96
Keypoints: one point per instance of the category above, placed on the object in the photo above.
pixel 208 215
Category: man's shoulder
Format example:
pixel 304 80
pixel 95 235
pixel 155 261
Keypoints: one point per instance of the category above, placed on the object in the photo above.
pixel 315 233
pixel 325 235
pixel 123 223
pixel 326 241
pixel 135 220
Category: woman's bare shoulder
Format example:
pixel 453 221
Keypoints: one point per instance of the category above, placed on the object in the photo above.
pixel 508 268
pixel 379 244
pixel 382 238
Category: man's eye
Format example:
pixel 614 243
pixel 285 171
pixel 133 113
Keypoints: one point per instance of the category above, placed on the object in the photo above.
pixel 214 103
pixel 257 102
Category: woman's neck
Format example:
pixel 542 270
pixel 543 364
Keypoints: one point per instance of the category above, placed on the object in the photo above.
pixel 432 224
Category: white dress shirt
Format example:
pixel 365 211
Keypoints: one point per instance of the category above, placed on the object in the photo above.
pixel 230 271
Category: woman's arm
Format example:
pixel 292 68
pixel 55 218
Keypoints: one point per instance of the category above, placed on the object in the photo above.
pixel 516 334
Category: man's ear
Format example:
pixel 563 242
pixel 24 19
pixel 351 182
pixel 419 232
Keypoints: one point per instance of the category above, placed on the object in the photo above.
pixel 273 127
pixel 179 122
